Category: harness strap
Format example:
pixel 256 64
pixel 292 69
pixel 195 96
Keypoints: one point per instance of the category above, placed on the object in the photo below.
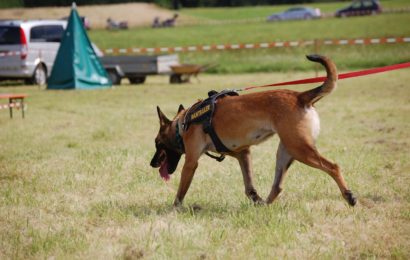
pixel 181 146
pixel 218 158
pixel 179 140
pixel 202 112
pixel 219 146
pixel 207 125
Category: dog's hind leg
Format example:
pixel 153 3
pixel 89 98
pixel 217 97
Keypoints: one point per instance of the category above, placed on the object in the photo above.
pixel 309 155
pixel 244 158
pixel 283 162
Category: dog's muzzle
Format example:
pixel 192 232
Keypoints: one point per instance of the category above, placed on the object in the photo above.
pixel 159 157
pixel 165 155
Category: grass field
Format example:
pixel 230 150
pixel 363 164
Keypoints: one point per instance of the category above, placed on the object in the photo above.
pixel 279 59
pixel 75 180
pixel 365 26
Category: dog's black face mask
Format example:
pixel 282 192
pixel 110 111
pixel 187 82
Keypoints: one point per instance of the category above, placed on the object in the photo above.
pixel 166 157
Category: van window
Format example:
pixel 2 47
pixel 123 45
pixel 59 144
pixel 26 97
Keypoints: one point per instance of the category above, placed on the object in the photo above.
pixel 9 35
pixel 46 33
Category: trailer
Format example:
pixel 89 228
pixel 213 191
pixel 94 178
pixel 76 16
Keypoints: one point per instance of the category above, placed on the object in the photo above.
pixel 137 68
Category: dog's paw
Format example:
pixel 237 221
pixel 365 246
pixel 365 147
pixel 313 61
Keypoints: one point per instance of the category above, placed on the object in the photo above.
pixel 351 199
pixel 177 203
pixel 260 202
pixel 253 195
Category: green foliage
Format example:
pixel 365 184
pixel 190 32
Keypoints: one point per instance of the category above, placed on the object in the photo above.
pixel 170 3
pixel 11 3
pixel 35 3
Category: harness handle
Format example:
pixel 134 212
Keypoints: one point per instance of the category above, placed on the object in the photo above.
pixel 218 158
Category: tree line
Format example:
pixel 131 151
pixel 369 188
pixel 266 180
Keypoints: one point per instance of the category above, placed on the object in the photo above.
pixel 174 4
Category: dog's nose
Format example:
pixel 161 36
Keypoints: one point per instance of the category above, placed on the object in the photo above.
pixel 154 161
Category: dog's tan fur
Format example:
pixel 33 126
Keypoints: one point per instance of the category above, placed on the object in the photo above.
pixel 245 120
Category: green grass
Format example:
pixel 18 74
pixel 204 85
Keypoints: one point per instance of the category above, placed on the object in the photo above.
pixel 292 59
pixel 365 26
pixel 75 180
pixel 280 59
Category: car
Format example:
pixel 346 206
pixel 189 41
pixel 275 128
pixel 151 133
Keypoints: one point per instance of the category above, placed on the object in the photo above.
pixel 362 7
pixel 28 49
pixel 296 13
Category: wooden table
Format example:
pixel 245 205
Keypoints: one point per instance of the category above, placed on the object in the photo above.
pixel 15 101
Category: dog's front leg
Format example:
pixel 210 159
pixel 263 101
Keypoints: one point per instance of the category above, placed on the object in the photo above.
pixel 244 158
pixel 187 174
pixel 194 142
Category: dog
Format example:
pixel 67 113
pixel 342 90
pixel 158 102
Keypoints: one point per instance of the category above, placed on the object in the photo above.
pixel 244 120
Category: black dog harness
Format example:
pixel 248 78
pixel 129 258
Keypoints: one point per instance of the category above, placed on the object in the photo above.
pixel 202 112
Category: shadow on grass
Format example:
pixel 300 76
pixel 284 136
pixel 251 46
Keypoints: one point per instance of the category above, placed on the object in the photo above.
pixel 122 209
pixel 12 83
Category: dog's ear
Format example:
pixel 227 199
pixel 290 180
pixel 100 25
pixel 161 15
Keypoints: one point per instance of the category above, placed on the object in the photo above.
pixel 163 120
pixel 180 108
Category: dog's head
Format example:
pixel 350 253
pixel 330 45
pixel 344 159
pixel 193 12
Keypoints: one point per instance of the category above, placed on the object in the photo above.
pixel 167 154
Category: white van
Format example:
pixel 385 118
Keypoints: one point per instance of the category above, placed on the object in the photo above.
pixel 28 49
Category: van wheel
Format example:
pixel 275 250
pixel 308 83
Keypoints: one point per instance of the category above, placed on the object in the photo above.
pixel 114 77
pixel 39 75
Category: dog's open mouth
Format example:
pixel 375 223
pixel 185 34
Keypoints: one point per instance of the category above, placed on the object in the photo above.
pixel 167 161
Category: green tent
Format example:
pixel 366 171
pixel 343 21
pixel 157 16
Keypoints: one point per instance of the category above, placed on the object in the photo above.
pixel 76 65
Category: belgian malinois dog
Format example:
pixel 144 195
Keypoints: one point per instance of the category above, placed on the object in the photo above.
pixel 245 120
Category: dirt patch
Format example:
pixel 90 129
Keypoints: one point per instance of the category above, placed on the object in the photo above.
pixel 137 14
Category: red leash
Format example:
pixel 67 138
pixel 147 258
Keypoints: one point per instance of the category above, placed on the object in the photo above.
pixel 341 76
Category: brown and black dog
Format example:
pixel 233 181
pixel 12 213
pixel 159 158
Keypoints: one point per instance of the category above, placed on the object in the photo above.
pixel 245 120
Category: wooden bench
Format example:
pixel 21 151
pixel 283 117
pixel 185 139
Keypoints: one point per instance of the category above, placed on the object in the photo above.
pixel 15 101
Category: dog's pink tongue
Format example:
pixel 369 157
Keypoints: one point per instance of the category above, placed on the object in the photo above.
pixel 163 170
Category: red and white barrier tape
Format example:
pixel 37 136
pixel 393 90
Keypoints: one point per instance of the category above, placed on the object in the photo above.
pixel 359 41
pixel 11 105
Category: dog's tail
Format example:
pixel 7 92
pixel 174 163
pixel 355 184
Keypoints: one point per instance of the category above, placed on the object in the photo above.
pixel 310 97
